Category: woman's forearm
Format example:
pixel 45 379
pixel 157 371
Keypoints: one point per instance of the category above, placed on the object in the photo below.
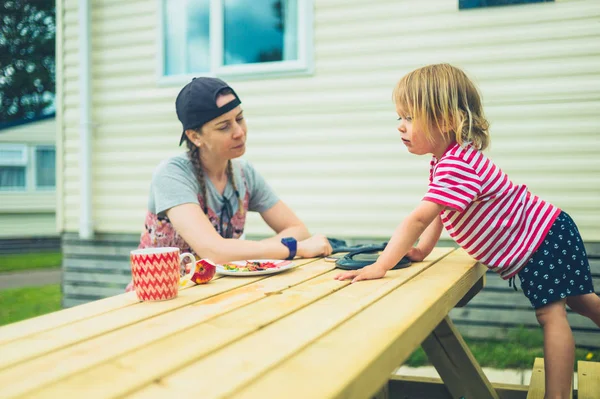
pixel 299 232
pixel 231 249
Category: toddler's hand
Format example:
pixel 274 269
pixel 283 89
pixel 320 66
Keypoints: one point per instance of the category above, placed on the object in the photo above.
pixel 370 272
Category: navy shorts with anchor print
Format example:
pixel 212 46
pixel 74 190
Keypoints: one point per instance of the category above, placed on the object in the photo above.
pixel 559 267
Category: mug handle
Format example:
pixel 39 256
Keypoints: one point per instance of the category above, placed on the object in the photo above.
pixel 186 279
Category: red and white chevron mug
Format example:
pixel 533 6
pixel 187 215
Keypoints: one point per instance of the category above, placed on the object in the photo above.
pixel 156 272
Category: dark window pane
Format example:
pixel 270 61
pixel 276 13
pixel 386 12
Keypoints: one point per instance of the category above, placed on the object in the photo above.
pixel 45 167
pixel 259 31
pixel 12 177
pixel 462 4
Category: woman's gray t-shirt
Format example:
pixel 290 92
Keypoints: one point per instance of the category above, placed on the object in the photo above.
pixel 174 183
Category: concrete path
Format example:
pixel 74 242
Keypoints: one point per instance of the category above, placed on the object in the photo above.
pixel 30 278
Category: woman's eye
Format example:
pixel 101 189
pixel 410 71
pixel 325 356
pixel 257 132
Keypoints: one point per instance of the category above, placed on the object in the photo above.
pixel 224 127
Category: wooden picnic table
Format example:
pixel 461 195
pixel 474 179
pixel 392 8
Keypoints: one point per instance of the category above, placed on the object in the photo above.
pixel 296 334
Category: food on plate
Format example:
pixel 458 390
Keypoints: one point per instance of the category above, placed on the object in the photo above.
pixel 252 266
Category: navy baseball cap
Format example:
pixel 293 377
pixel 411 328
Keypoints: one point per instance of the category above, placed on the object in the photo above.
pixel 196 103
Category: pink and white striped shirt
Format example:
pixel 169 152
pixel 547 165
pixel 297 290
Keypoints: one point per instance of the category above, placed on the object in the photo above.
pixel 497 222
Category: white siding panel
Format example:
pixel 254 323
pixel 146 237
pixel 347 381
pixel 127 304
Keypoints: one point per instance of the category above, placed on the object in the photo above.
pixel 327 143
pixel 28 225
pixel 42 132
pixel 23 202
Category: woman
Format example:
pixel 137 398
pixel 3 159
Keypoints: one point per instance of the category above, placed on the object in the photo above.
pixel 199 200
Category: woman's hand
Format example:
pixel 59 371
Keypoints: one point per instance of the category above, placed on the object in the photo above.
pixel 317 245
pixel 371 272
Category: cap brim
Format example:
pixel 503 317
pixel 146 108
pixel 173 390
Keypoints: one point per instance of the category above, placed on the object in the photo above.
pixel 182 138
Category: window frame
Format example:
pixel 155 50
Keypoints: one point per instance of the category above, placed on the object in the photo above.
pixel 304 65
pixel 519 3
pixel 33 163
pixel 23 162
pixel 29 162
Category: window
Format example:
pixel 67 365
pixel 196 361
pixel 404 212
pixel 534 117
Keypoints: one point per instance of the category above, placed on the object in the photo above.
pixel 491 3
pixel 45 167
pixel 13 167
pixel 24 168
pixel 235 37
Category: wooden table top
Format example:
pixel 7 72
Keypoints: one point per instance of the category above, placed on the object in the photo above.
pixel 296 334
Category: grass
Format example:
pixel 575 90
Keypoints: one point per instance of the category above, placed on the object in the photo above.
pixel 24 303
pixel 36 260
pixel 518 352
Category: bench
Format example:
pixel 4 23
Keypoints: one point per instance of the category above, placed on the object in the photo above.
pixel 588 380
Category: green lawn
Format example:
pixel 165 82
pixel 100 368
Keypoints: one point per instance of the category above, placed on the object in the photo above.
pixel 35 260
pixel 23 303
pixel 518 352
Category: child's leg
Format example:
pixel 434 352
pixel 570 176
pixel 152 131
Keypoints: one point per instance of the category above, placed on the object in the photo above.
pixel 587 305
pixel 559 349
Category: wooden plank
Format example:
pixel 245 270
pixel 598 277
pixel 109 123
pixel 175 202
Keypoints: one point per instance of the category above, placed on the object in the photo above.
pixel 524 317
pixel 106 278
pixel 384 393
pixel 71 302
pixel 93 250
pixel 495 281
pixel 583 338
pixel 405 387
pixel 472 292
pixel 96 264
pixel 588 380
pixel 455 363
pixel 592 249
pixel 505 299
pixel 49 321
pixel 594 267
pixel 393 332
pixel 251 357
pixel 147 364
pixel 179 331
pixel 537 387
pixel 51 340
pixel 70 289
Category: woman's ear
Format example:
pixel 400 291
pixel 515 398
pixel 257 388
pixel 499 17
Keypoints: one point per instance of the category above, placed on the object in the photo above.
pixel 194 137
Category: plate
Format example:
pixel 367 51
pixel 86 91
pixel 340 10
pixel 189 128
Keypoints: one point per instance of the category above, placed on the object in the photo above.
pixel 271 266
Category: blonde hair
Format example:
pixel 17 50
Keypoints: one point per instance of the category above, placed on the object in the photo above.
pixel 444 97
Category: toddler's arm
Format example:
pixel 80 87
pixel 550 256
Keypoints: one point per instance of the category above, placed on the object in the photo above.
pixel 427 241
pixel 402 240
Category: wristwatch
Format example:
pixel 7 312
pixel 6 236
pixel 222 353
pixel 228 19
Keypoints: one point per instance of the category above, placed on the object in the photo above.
pixel 291 244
